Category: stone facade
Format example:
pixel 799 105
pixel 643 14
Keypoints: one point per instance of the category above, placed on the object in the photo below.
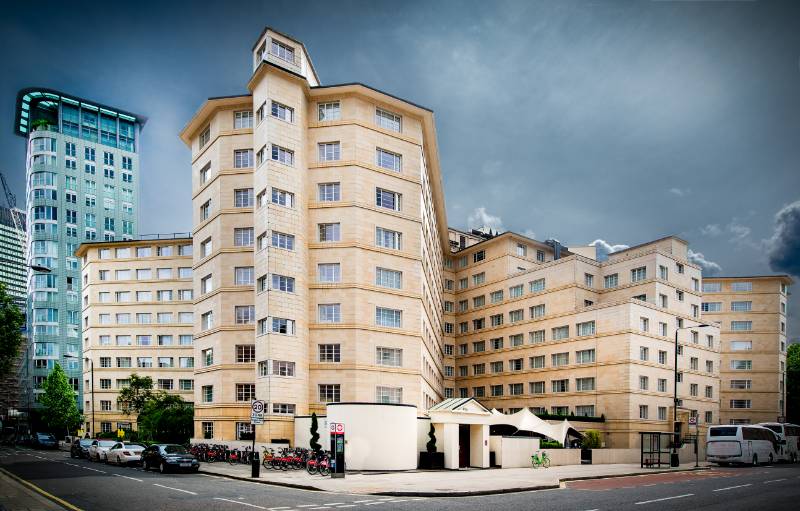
pixel 137 318
pixel 751 312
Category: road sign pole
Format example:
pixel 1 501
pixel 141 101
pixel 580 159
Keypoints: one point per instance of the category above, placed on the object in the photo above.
pixel 256 418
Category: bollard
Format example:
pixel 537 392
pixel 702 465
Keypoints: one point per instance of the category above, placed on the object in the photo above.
pixel 255 467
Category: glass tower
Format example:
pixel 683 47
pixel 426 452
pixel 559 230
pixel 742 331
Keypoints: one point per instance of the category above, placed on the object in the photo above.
pixel 82 169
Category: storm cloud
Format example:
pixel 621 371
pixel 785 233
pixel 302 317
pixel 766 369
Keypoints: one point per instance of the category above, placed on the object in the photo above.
pixel 784 246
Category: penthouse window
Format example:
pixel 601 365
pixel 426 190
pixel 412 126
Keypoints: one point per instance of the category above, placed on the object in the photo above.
pixel 741 286
pixel 329 151
pixel 388 120
pixel 330 111
pixel 282 51
pixel 282 112
pixel 388 160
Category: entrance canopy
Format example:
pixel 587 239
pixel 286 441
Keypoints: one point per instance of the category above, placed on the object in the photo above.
pixel 525 420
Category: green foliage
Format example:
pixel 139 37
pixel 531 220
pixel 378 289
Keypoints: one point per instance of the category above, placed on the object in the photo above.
pixel 591 439
pixel 166 418
pixel 314 444
pixel 40 123
pixel 550 444
pixel 431 445
pixel 793 383
pixel 59 408
pixel 133 398
pixel 11 322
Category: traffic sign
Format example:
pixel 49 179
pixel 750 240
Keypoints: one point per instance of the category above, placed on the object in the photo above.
pixel 337 428
pixel 693 421
pixel 257 407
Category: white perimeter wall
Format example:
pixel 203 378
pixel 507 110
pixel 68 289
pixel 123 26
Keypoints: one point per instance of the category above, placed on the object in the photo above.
pixel 302 432
pixel 378 436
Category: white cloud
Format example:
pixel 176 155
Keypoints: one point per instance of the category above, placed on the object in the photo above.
pixel 709 268
pixel 529 233
pixel 712 230
pixel 739 232
pixel 481 218
pixel 680 192
pixel 604 248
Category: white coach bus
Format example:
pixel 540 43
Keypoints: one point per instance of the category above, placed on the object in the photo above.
pixel 789 435
pixel 751 444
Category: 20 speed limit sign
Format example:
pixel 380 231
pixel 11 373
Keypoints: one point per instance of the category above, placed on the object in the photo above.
pixel 257 407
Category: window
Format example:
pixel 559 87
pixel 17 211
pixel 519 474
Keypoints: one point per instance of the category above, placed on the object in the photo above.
pixel 588 279
pixel 243 237
pixel 388 120
pixel 516 315
pixel 243 276
pixel 388 160
pixel 586 328
pixel 330 353
pixel 740 403
pixel 585 356
pixel 282 326
pixel 741 345
pixel 388 317
pixel 329 272
pixel 186 385
pixel 245 353
pixel 243 198
pixel 741 306
pixel 329 232
pixel 679 294
pixel 709 392
pixel 329 192
pixel 205 136
pixel 741 384
pixel 560 385
pixel 662 385
pixel 245 314
pixel 739 326
pixel 584 384
pixel 282 155
pixel 388 278
pixel 711 306
pixel 537 337
pixel 496 296
pixel 709 366
pixel 559 359
pixel 243 119
pixel 644 383
pixel 712 287
pixel 644 353
pixel 643 411
pixel 741 286
pixel 537 311
pixel 207 320
pixel 522 250
pixel 516 291
pixel 330 313
pixel 281 240
pixel 694 363
pixel 206 285
pixel 392 357
pixel 561 332
pixel 282 198
pixel 204 173
pixel 478 279
pixel 742 365
pixel 639 274
pixel 242 158
pixel 245 392
pixel 329 151
pixel 282 112
pixel 387 199
pixel 329 111
pixel 205 210
pixel 644 324
pixel 330 393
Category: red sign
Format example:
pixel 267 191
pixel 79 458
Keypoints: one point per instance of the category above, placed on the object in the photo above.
pixel 337 428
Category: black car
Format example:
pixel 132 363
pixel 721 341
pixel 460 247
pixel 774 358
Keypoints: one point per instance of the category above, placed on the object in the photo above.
pixel 167 457
pixel 80 448
pixel 44 441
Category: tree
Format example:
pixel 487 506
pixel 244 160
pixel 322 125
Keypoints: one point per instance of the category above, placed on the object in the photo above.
pixel 793 383
pixel 591 439
pixel 166 418
pixel 11 322
pixel 431 445
pixel 59 408
pixel 314 444
pixel 133 398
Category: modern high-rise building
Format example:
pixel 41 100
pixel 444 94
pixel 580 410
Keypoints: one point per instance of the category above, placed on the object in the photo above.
pixel 319 233
pixel 538 325
pixel 751 312
pixel 13 269
pixel 137 318
pixel 82 164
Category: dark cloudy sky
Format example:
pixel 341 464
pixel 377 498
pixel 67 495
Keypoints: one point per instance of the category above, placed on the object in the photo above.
pixel 612 121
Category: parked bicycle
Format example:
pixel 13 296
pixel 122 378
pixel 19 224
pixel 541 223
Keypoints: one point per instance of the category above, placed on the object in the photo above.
pixel 319 464
pixel 540 460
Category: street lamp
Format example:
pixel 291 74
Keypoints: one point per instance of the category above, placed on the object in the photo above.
pixel 91 370
pixel 673 460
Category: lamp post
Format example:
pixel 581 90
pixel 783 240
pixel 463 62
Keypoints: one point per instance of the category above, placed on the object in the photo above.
pixel 91 369
pixel 673 459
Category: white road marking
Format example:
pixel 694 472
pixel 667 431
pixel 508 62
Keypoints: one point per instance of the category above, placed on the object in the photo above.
pixel 774 481
pixel 732 487
pixel 665 498
pixel 355 502
pixel 312 505
pixel 399 500
pixel 127 477
pixel 331 504
pixel 176 489
pixel 94 470
pixel 276 508
pixel 320 507
pixel 240 503
pixel 347 505
pixel 373 503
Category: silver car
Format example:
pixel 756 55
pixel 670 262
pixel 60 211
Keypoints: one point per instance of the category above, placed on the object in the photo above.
pixel 99 449
pixel 125 454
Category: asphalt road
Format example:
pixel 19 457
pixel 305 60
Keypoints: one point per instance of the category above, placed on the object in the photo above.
pixel 93 486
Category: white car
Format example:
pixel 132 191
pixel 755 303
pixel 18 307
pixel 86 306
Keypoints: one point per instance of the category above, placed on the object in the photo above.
pixel 124 454
pixel 99 449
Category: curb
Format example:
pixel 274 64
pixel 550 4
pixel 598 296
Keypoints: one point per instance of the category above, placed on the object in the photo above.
pixel 32 487
pixel 477 493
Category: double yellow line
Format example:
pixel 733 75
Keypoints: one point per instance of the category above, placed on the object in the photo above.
pixel 60 502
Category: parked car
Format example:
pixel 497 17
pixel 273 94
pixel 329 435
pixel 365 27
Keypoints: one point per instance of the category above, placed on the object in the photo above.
pixel 99 448
pixel 44 441
pixel 124 454
pixel 166 457
pixel 80 448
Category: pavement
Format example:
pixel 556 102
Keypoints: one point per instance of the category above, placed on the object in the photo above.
pixel 452 483
pixel 19 495
pixel 88 486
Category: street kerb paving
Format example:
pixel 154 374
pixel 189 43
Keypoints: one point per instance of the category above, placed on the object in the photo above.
pixel 440 483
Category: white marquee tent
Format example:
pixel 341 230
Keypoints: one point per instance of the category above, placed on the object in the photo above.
pixel 525 420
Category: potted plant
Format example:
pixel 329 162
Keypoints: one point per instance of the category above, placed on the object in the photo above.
pixel 429 458
pixel 40 124
pixel 591 440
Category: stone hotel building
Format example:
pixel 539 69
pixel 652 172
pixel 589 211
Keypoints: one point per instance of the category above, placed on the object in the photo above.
pixel 137 318
pixel 324 272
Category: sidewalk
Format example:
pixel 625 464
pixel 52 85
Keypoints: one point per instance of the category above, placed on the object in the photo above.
pixel 448 483
pixel 15 496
